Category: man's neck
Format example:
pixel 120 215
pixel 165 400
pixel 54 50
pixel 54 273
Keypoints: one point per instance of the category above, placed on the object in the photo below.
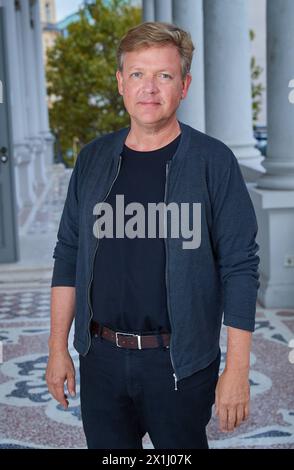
pixel 147 138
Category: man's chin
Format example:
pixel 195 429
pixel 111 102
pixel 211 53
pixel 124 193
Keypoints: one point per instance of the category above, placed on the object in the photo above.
pixel 148 120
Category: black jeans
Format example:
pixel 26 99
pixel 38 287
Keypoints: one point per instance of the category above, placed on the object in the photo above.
pixel 128 392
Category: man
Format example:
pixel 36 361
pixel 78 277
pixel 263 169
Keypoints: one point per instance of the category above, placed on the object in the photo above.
pixel 148 309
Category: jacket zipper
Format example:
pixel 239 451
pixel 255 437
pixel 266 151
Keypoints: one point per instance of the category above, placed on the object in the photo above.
pixel 93 259
pixel 166 270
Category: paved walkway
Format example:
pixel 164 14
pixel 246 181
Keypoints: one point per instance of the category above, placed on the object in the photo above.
pixel 30 418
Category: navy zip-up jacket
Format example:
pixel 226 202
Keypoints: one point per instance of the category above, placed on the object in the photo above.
pixel 218 280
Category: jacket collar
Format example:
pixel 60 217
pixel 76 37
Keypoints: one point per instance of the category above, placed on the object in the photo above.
pixel 122 134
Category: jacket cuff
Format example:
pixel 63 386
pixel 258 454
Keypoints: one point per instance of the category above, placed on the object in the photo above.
pixel 64 274
pixel 241 323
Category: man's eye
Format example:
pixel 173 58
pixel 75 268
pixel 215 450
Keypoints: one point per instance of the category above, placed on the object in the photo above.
pixel 165 75
pixel 136 74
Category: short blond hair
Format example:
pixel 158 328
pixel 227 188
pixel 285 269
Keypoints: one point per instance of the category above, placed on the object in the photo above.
pixel 156 33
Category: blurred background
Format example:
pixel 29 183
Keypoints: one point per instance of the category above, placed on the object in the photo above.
pixel 58 92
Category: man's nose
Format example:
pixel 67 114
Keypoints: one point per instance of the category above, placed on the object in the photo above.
pixel 150 85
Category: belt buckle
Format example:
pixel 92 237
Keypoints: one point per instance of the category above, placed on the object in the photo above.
pixel 127 334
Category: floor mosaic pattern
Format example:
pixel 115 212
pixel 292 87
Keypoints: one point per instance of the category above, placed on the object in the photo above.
pixel 30 418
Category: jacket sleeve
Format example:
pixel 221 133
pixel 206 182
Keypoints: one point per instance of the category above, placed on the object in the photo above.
pixel 66 248
pixel 234 229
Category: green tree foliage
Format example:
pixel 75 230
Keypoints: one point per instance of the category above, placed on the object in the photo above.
pixel 81 74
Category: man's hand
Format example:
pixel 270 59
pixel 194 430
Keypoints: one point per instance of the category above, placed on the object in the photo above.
pixel 60 369
pixel 232 398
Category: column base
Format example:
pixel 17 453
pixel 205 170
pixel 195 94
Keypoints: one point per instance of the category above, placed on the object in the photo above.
pixel 275 295
pixel 279 175
pixel 39 147
pixel 24 185
pixel 49 140
pixel 250 160
pixel 275 215
pixel 251 173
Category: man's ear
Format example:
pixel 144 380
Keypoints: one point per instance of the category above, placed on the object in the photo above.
pixel 186 84
pixel 119 82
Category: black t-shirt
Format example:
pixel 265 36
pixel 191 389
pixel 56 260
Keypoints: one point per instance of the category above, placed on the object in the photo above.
pixel 128 289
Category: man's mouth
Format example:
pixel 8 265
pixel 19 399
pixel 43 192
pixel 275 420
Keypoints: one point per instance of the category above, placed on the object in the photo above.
pixel 154 103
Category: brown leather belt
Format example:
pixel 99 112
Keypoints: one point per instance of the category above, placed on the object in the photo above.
pixel 130 340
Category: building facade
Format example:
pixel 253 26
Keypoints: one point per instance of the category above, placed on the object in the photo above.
pixel 48 23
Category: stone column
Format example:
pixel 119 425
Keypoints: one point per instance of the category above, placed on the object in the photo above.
pixel 47 137
pixel 32 93
pixel 30 79
pixel 188 15
pixel 148 10
pixel 228 80
pixel 29 121
pixel 273 197
pixel 163 11
pixel 279 163
pixel 24 188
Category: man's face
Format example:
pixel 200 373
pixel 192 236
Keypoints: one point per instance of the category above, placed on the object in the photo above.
pixel 151 84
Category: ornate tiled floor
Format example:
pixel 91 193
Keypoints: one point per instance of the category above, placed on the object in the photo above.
pixel 271 423
pixel 30 418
